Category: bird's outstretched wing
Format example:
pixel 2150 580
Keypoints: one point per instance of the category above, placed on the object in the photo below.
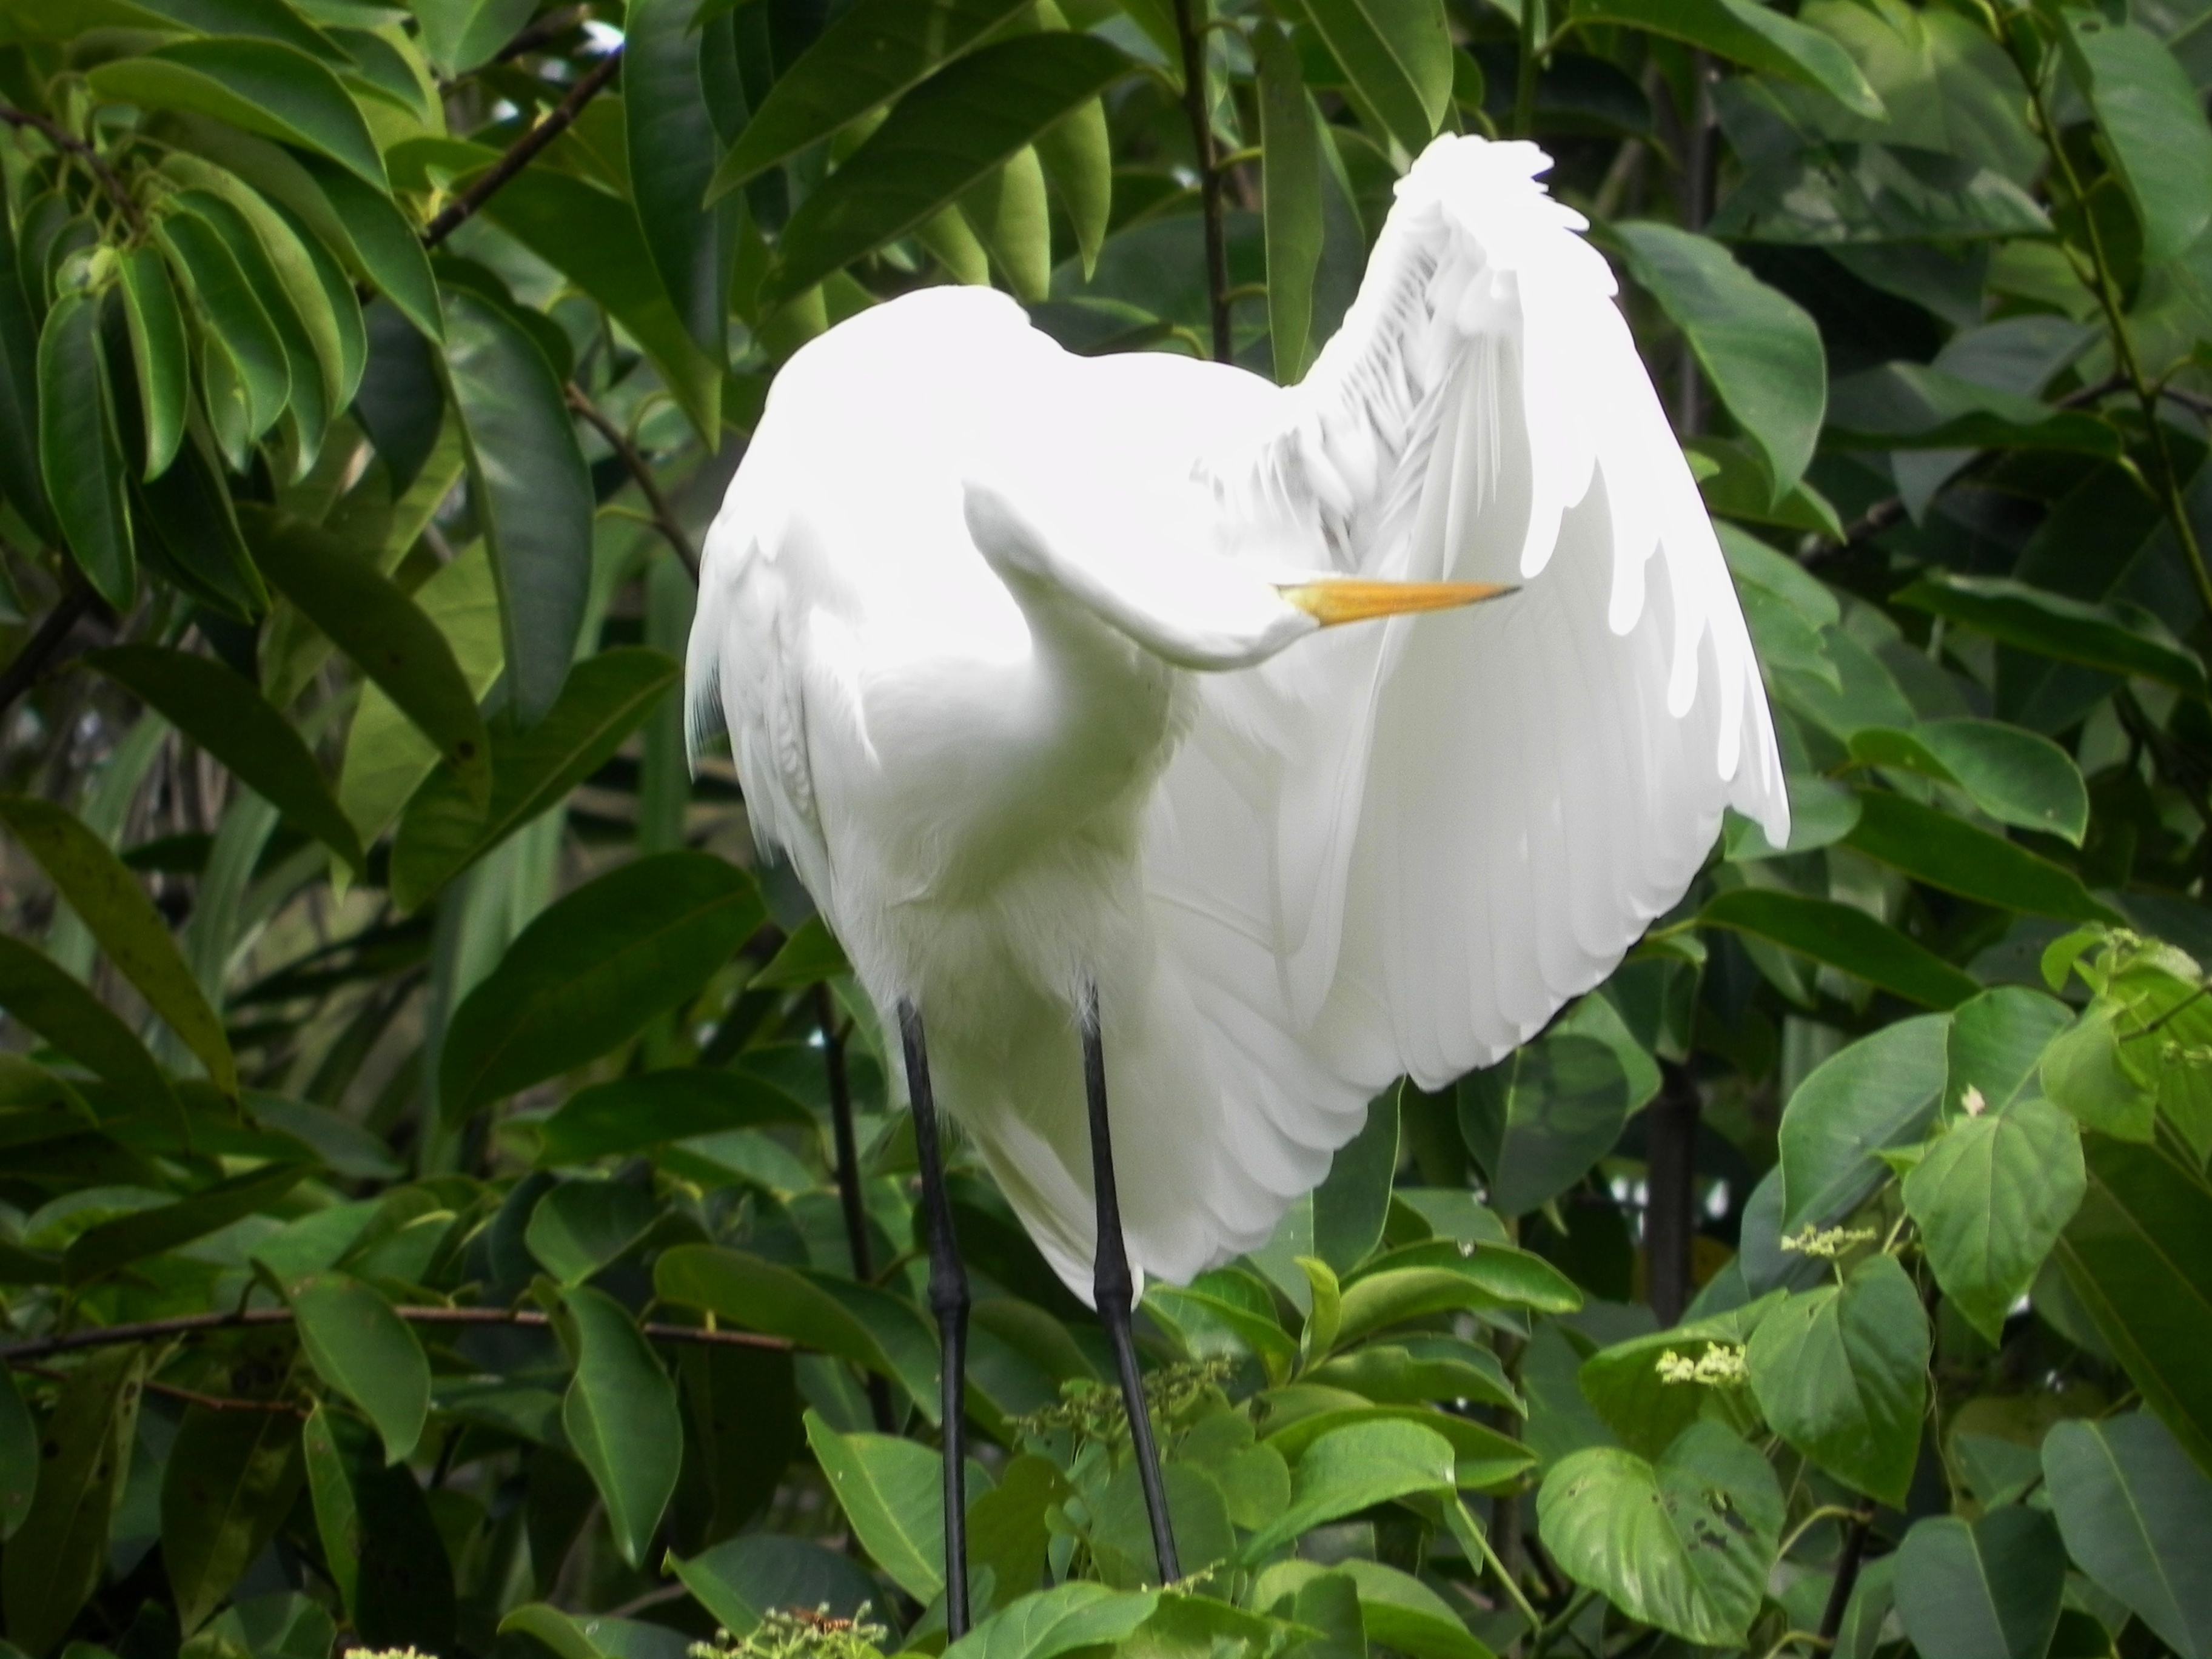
pixel 1462 822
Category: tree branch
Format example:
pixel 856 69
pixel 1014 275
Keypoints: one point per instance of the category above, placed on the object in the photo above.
pixel 94 162
pixel 152 1330
pixel 24 669
pixel 664 517
pixel 1192 41
pixel 520 153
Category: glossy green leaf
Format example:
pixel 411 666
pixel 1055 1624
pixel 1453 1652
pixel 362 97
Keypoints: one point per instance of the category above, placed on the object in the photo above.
pixel 19 1456
pixel 1990 1199
pixel 1399 56
pixel 1881 1091
pixel 630 1115
pixel 606 698
pixel 1290 140
pixel 2016 776
pixel 1077 154
pixel 1685 1543
pixel 21 478
pixel 159 353
pixel 892 1493
pixel 672 146
pixel 589 973
pixel 2138 1256
pixel 61 1010
pixel 2134 1511
pixel 1349 1469
pixel 2117 636
pixel 233 722
pixel 247 378
pixel 1353 1201
pixel 621 1417
pixel 231 1479
pixel 388 636
pixel 385 249
pixel 1843 937
pixel 942 139
pixel 1538 1119
pixel 738 1580
pixel 580 1226
pixel 1007 211
pixel 1071 1616
pixel 1760 349
pixel 361 1348
pixel 128 1238
pixel 549 1628
pixel 80 453
pixel 108 897
pixel 869 56
pixel 1986 1591
pixel 1931 846
pixel 263 86
pixel 54 1561
pixel 1841 1373
pixel 535 494
pixel 2153 124
pixel 1747 33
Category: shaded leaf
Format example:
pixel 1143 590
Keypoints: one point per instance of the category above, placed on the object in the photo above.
pixel 360 1348
pixel 1843 937
pixel 2117 636
pixel 230 1481
pixel 159 353
pixel 1881 1091
pixel 130 1238
pixel 2016 776
pixel 1986 1591
pixel 1290 140
pixel 630 1115
pixel 2134 1511
pixel 1399 56
pixel 621 1417
pixel 1930 844
pixel 893 1492
pixel 263 86
pixel 2153 124
pixel 59 1009
pixel 1752 35
pixel 80 453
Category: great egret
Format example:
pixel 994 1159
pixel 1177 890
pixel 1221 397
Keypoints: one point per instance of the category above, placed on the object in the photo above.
pixel 1022 658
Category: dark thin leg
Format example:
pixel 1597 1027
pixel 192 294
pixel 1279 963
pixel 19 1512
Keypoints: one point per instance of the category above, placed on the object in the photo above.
pixel 1113 1289
pixel 849 1180
pixel 948 1299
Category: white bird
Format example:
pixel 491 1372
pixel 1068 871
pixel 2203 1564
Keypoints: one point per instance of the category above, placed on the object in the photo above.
pixel 1021 658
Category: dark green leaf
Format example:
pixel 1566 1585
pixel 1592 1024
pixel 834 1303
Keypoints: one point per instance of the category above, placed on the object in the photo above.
pixel 159 353
pixel 20 479
pixel 230 1481
pixel 305 379
pixel 378 1536
pixel 942 139
pixel 761 1572
pixel 1289 139
pixel 360 1348
pixel 1881 1091
pixel 2117 636
pixel 621 1417
pixel 611 1120
pixel 59 1009
pixel 188 512
pixel 79 453
pixel 533 492
pixel 233 722
pixel 1843 937
pixel 386 250
pixel 1990 1199
pixel 1120 1532
pixel 869 56
pixel 1751 35
pixel 1931 846
pixel 19 1456
pixel 591 970
pixel 2134 1512
pixel 263 86
pixel 1908 406
pixel 1538 1119
pixel 130 1238
pixel 107 895
pixel 580 1226
pixel 1351 1204
pixel 2016 776
pixel 672 144
pixel 2153 124
pixel 1399 58
pixel 1986 1591
pixel 459 34
pixel 245 376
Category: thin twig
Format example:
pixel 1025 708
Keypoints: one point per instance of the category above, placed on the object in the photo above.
pixel 1847 1575
pixel 664 518
pixel 24 669
pixel 62 138
pixel 213 1402
pixel 521 152
pixel 151 1330
pixel 1192 41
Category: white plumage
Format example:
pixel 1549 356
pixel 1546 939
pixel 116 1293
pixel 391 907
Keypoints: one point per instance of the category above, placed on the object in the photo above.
pixel 999 635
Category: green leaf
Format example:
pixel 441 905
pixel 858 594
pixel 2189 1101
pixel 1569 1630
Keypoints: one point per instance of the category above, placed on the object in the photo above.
pixel 1761 352
pixel 672 148
pixel 2138 1256
pixel 621 1417
pixel 19 1456
pixel 533 492
pixel 159 353
pixel 263 86
pixel 2134 1512
pixel 633 1114
pixel 1077 155
pixel 231 1479
pixel 79 450
pixel 128 1238
pixel 1399 56
pixel 606 698
pixel 811 955
pixel 1059 1620
pixel 1685 1543
pixel 1910 406
pixel 2117 636
pixel 1844 937
pixel 458 35
pixel 892 1491
pixel 551 1629
pixel 1931 846
pixel 1841 1373
pixel 233 721
pixel 247 378
pixel 2016 776
pixel 1401 1613
pixel 1990 1199
pixel 591 970
pixel 1986 1591
pixel 59 1009
pixel 1420 1368
pixel 1290 143
pixel 941 139
pixel 1996 1041
pixel 580 1226
pixel 54 1561
pixel 385 633
pixel 873 53
pixel 1348 1469
pixel 1350 1205
pixel 2086 1071
pixel 2153 124
pixel 20 479
pixel 1537 1120
pixel 1623 1383
pixel 1007 211
pixel 378 1536
pixel 1751 35
pixel 1881 1091
pixel 107 895
pixel 739 1580
pixel 188 510
pixel 360 1348
pixel 1120 1531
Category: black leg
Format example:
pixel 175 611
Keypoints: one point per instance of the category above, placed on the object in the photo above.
pixel 1113 1289
pixel 948 1299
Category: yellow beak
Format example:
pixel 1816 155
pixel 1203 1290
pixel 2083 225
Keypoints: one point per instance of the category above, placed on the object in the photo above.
pixel 1333 599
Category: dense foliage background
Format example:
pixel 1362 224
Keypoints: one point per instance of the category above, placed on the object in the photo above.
pixel 449 1197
